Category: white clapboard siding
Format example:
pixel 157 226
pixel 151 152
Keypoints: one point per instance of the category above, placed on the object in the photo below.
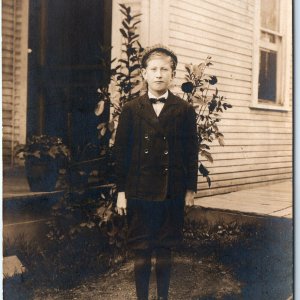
pixel 258 143
pixel 250 167
pixel 12 106
pixel 8 29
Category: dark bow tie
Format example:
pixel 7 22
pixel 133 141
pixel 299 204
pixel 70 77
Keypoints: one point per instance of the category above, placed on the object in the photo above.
pixel 155 100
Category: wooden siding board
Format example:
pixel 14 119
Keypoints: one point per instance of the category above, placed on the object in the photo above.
pixel 239 181
pixel 244 154
pixel 204 37
pixel 246 11
pixel 256 117
pixel 255 129
pixel 188 56
pixel 245 168
pixel 223 74
pixel 249 174
pixel 196 27
pixel 210 192
pixel 195 43
pixel 249 148
pixel 214 12
pixel 241 4
pixel 247 161
pixel 248 142
pixel 195 19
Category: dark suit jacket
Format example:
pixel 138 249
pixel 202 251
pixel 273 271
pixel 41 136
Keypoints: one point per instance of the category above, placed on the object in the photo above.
pixel 156 157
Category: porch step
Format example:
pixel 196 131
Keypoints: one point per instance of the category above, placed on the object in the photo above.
pixel 12 266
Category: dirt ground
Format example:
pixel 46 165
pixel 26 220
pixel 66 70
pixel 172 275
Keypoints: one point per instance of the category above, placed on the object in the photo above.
pixel 257 266
pixel 192 278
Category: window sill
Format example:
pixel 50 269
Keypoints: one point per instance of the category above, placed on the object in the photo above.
pixel 269 107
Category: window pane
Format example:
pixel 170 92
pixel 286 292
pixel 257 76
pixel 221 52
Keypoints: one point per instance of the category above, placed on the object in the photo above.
pixel 267 75
pixel 269 16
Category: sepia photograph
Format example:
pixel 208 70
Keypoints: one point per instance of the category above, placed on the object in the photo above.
pixel 147 149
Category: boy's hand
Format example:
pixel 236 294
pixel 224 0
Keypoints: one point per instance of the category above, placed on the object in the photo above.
pixel 121 204
pixel 189 198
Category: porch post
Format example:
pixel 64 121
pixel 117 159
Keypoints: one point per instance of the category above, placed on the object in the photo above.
pixel 24 71
pixel 158 22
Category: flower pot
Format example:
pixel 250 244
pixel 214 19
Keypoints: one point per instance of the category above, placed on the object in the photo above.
pixel 41 174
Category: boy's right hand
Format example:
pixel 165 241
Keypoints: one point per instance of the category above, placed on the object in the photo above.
pixel 121 204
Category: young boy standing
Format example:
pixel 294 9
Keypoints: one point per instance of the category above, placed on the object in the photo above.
pixel 157 162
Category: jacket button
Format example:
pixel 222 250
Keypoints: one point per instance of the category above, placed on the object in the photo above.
pixel 164 138
pixel 146 136
pixel 166 152
pixel 146 151
pixel 166 170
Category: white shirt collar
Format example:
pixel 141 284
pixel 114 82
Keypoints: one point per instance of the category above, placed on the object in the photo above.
pixel 165 95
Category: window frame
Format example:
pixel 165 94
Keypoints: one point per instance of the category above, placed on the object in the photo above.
pixel 284 58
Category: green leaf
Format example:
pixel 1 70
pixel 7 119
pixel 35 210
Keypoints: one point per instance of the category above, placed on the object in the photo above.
pixel 125 24
pixel 208 181
pixel 101 125
pixel 124 62
pixel 135 23
pixel 188 68
pixel 123 6
pixel 135 16
pixel 221 141
pixel 99 108
pixel 134 67
pixel 103 131
pixel 203 171
pixel 111 125
pixel 123 33
pixel 54 151
pixel 207 155
pixel 203 146
pixel 36 154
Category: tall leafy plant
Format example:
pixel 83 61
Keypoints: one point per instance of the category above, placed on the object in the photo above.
pixel 125 81
pixel 200 90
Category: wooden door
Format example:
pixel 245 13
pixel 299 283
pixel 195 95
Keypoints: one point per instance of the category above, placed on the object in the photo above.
pixel 65 37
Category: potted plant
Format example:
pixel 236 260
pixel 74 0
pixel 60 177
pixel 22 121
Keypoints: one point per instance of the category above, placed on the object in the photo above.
pixel 43 156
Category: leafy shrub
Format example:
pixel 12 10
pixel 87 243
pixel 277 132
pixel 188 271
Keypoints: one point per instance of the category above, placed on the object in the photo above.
pixel 43 146
pixel 208 104
pixel 125 81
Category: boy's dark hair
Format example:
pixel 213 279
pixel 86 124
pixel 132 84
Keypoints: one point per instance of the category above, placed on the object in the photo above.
pixel 158 49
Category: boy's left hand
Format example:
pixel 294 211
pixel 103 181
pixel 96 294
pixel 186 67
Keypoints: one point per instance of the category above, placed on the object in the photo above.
pixel 189 198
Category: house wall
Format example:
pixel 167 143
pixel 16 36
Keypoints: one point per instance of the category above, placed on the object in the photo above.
pixel 14 75
pixel 258 143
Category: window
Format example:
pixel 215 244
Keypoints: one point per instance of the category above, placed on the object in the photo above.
pixel 272 57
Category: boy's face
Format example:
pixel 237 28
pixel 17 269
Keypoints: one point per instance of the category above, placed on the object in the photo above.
pixel 158 74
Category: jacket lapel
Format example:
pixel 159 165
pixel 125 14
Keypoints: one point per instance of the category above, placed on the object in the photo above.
pixel 146 111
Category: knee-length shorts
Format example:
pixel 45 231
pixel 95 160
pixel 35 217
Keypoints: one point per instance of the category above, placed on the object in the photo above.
pixel 153 224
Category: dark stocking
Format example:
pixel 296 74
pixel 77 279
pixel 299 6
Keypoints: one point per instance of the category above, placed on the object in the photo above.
pixel 142 270
pixel 163 272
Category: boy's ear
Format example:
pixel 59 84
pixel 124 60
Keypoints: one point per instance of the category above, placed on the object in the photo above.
pixel 143 71
pixel 173 74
